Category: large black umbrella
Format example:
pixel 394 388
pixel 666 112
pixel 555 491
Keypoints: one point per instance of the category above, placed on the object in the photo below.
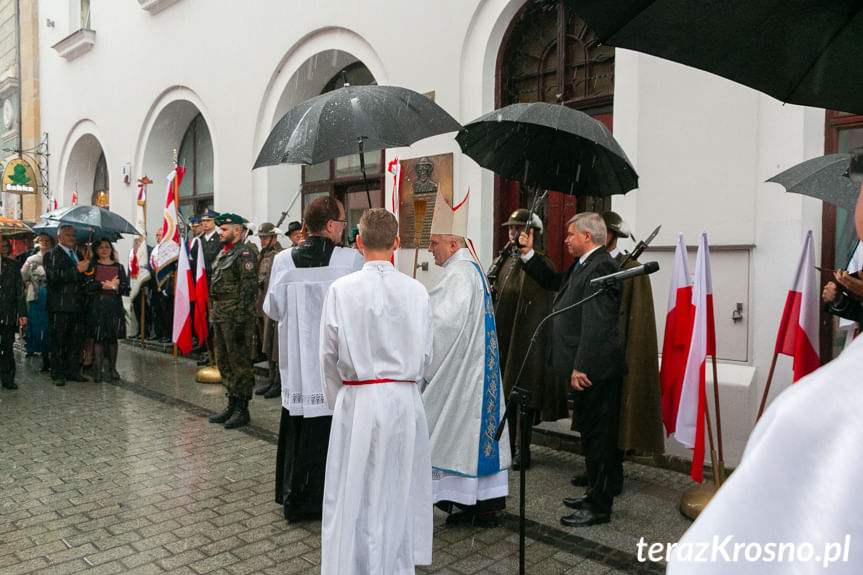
pixel 350 120
pixel 549 146
pixel 798 51
pixel 83 234
pixel 99 220
pixel 825 178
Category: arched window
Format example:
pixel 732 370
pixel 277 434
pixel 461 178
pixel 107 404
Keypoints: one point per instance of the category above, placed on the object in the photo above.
pixel 196 155
pixel 548 54
pixel 341 177
pixel 101 195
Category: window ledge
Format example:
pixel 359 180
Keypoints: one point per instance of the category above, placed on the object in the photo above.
pixel 8 85
pixel 76 44
pixel 156 6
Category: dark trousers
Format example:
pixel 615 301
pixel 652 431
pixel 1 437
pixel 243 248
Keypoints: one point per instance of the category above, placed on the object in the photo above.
pixel 66 335
pixel 598 411
pixel 7 357
pixel 162 306
pixel 143 298
pixel 235 362
pixel 301 461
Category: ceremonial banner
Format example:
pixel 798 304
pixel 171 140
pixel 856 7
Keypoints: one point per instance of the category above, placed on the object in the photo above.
pixel 139 271
pixel 798 329
pixel 690 414
pixel 675 345
pixel 169 246
pixel 182 334
pixel 395 168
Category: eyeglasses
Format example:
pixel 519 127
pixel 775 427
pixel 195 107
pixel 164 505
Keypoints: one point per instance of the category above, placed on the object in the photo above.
pixel 343 222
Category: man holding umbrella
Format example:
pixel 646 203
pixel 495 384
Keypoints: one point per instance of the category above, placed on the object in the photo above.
pixel 64 269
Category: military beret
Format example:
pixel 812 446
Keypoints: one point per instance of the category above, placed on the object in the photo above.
pixel 230 219
pixel 352 237
pixel 293 226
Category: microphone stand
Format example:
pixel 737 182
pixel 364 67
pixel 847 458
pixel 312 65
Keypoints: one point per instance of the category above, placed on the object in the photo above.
pixel 521 397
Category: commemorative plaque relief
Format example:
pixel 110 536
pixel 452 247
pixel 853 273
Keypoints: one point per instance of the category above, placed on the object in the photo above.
pixel 421 180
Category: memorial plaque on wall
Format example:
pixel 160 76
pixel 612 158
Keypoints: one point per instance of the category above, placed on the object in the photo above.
pixel 421 180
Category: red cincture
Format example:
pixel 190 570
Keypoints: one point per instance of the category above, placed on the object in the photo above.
pixel 370 381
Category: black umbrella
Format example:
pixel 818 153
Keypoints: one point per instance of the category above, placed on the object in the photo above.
pixel 98 220
pixel 825 178
pixel 351 120
pixel 549 146
pixel 799 51
pixel 82 233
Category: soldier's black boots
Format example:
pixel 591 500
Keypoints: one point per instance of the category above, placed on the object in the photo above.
pixel 240 416
pixel 227 413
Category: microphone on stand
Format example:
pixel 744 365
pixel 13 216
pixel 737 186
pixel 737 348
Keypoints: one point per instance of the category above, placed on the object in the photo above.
pixel 610 279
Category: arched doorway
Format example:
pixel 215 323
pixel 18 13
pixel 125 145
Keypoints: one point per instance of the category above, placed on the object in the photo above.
pixel 548 54
pixel 85 174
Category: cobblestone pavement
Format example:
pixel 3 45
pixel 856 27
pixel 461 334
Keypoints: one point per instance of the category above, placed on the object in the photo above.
pixel 130 478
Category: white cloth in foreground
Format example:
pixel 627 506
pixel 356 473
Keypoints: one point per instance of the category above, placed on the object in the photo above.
pixel 463 397
pixel 377 514
pixel 295 299
pixel 798 485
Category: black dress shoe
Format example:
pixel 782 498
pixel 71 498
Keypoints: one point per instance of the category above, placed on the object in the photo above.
pixel 77 377
pixel 274 390
pixel 585 518
pixel 579 480
pixel 576 502
pixel 60 382
pixel 519 457
pixel 264 388
pixel 10 385
pixel 203 361
pixel 471 519
pixel 165 339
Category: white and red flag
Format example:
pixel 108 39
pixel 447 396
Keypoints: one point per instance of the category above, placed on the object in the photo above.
pixel 675 344
pixel 689 429
pixel 202 295
pixel 138 263
pixel 182 334
pixel 169 245
pixel 798 330
pixel 395 168
pixel 75 197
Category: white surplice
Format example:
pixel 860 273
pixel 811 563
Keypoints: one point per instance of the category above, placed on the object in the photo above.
pixel 377 515
pixel 464 395
pixel 295 299
pixel 798 483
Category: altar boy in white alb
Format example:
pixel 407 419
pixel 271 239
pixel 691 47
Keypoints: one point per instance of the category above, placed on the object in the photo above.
pixel 375 346
pixel 464 396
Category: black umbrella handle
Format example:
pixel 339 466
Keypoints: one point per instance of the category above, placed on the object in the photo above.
pixel 363 169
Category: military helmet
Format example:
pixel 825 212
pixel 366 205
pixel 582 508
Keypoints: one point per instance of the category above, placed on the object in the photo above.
pixel 519 218
pixel 267 229
pixel 615 224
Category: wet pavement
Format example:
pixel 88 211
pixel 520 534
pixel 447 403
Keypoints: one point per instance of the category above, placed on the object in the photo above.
pixel 131 478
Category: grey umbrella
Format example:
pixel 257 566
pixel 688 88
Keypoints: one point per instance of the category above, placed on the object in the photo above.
pixel 549 146
pixel 99 220
pixel 825 178
pixel 350 120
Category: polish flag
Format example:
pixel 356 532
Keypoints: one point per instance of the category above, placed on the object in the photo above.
pixel 201 297
pixel 689 429
pixel 798 330
pixel 182 294
pixel 395 168
pixel 675 345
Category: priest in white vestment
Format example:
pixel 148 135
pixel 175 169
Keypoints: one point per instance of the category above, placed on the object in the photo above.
pixel 376 342
pixel 299 281
pixel 464 396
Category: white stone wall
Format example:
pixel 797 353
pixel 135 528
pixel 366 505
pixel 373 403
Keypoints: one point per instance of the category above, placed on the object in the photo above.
pixel 702 145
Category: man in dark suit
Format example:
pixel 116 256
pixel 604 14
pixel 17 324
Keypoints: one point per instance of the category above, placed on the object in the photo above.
pixel 64 269
pixel 13 313
pixel 586 351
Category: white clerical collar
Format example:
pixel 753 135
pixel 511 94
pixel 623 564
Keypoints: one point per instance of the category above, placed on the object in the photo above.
pixel 378 265
pixel 584 257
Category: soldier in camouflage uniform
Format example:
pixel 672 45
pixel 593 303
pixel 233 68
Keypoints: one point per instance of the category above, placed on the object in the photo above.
pixel 232 293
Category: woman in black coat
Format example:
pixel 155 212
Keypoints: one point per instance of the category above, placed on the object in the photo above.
pixel 106 317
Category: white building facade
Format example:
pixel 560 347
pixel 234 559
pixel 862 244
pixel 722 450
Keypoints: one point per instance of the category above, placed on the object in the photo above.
pixel 125 83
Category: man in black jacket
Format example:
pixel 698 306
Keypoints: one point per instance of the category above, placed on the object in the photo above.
pixel 586 351
pixel 65 269
pixel 13 312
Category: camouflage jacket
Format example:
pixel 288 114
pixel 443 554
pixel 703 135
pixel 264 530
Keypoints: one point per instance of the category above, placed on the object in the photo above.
pixel 234 285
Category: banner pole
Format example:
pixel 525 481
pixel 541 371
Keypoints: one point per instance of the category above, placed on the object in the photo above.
pixel 767 387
